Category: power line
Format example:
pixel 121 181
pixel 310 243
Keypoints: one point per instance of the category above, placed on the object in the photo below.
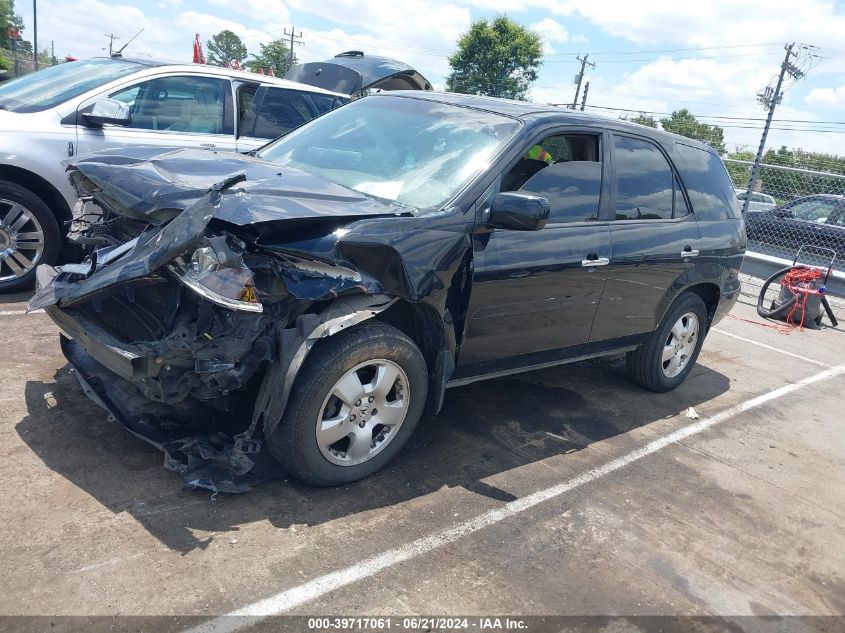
pixel 716 116
pixel 672 50
pixel 651 59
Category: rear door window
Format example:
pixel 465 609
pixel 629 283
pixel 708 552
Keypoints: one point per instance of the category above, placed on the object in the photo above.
pixel 645 182
pixel 277 111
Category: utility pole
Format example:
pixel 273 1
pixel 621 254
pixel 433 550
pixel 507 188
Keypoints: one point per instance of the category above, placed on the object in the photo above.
pixel 35 32
pixel 294 39
pixel 580 77
pixel 112 37
pixel 769 98
pixel 584 98
pixel 52 53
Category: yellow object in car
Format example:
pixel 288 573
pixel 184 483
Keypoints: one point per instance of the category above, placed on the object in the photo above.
pixel 538 153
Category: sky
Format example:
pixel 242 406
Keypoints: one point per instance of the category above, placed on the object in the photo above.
pixel 651 55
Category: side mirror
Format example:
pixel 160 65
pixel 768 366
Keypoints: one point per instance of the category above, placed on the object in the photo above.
pixel 108 111
pixel 518 212
pixel 783 213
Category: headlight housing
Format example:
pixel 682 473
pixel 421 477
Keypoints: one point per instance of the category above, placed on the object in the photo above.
pixel 218 274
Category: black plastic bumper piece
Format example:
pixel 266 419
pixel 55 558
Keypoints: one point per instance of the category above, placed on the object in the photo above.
pixel 211 462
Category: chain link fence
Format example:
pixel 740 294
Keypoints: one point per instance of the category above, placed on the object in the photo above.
pixel 793 212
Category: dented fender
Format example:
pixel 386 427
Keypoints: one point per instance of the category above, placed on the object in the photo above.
pixel 295 343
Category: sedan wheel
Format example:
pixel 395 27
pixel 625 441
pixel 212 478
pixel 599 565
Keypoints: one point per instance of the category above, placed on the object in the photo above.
pixel 680 345
pixel 21 240
pixel 363 412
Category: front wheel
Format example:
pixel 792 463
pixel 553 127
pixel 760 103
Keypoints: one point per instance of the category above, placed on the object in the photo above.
pixel 353 406
pixel 29 235
pixel 667 357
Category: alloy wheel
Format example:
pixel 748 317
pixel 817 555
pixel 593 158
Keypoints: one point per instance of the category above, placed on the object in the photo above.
pixel 363 412
pixel 21 240
pixel 680 345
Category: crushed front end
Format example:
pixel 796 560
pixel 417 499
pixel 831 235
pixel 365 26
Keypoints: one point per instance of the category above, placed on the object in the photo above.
pixel 174 317
pixel 173 346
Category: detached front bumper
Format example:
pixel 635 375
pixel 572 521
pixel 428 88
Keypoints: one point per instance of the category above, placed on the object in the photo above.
pixel 216 462
pixel 125 360
pixel 154 389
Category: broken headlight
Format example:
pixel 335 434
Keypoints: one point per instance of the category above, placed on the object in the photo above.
pixel 217 273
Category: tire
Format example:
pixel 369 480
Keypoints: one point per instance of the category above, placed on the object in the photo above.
pixel 360 356
pixel 40 244
pixel 646 365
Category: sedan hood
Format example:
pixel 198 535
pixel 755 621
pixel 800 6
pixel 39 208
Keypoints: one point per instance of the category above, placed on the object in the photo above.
pixel 146 184
pixel 353 72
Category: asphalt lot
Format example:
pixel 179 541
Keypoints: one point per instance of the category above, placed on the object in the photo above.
pixel 564 491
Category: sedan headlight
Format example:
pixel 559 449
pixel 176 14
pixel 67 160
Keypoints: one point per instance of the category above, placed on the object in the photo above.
pixel 219 275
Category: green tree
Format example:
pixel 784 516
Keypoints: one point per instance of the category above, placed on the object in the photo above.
pixel 499 58
pixel 274 55
pixel 8 18
pixel 641 119
pixel 225 47
pixel 5 14
pixel 683 122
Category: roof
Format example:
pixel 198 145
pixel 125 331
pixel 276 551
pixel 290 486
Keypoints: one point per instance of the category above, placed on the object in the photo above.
pixel 227 72
pixel 527 110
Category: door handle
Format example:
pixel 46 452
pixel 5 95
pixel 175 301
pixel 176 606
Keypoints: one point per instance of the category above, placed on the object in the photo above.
pixel 597 261
pixel 689 252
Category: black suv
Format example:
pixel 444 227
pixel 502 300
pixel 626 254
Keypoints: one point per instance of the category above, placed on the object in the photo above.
pixel 318 298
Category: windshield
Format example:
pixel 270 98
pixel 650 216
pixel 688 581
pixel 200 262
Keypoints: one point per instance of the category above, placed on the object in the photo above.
pixel 415 152
pixel 52 86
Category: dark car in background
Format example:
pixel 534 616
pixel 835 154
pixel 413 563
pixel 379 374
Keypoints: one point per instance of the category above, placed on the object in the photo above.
pixel 815 221
pixel 319 297
pixel 355 74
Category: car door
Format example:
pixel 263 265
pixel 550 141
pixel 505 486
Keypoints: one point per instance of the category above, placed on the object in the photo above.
pixel 274 111
pixel 537 291
pixel 171 111
pixel 655 238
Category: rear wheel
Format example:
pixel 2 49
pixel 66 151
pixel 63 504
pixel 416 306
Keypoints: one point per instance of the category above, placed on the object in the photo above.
pixel 29 236
pixel 353 406
pixel 666 358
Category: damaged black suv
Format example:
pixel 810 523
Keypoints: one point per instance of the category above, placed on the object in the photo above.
pixel 318 298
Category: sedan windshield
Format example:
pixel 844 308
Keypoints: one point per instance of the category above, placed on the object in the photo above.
pixel 416 152
pixel 55 85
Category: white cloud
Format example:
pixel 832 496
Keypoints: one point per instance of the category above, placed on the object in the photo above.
pixel 551 31
pixel 827 96
pixel 273 11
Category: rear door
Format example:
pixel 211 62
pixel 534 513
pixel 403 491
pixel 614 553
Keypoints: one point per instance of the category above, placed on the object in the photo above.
pixel 537 291
pixel 274 111
pixel 655 238
pixel 171 111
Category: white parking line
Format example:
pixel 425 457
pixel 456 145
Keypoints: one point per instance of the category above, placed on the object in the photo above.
pixel 20 312
pixel 771 347
pixel 286 600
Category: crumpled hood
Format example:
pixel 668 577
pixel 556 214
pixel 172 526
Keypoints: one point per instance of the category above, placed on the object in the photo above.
pixel 155 185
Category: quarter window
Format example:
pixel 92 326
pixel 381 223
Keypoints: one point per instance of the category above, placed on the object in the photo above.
pixel 644 181
pixel 178 104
